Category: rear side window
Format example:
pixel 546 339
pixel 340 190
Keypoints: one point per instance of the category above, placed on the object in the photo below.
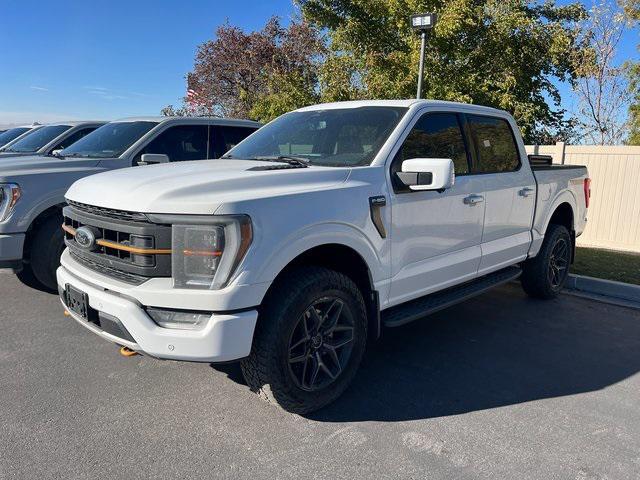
pixel 225 138
pixel 436 135
pixel 494 143
pixel 180 143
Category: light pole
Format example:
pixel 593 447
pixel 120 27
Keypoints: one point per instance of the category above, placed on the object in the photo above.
pixel 421 24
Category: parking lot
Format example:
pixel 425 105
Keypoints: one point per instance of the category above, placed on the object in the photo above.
pixel 499 387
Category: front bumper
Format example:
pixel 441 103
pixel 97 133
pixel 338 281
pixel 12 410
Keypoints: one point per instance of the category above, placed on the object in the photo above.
pixel 226 336
pixel 11 246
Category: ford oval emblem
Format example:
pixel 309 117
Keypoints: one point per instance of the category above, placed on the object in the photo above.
pixel 86 238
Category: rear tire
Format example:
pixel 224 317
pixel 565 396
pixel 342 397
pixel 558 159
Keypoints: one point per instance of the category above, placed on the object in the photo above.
pixel 46 247
pixel 544 275
pixel 309 341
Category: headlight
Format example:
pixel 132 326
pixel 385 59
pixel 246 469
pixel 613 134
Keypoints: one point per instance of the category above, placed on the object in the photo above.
pixel 9 196
pixel 205 250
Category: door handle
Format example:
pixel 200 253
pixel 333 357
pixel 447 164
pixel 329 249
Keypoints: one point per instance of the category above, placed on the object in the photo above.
pixel 473 199
pixel 525 192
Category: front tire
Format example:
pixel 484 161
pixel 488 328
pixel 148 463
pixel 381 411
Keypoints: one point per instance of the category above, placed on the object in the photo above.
pixel 46 247
pixel 545 274
pixel 309 341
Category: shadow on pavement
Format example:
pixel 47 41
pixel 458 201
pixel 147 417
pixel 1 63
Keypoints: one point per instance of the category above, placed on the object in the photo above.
pixel 499 349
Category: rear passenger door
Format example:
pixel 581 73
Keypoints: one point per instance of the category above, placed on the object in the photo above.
pixel 509 191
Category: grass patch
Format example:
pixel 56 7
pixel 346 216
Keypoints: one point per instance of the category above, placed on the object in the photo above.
pixel 607 264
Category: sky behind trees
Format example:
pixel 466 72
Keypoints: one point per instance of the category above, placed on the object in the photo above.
pixel 75 59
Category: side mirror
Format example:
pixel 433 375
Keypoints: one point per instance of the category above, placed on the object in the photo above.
pixel 55 153
pixel 427 173
pixel 150 158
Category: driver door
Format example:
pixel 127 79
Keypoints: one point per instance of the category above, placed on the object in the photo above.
pixel 436 236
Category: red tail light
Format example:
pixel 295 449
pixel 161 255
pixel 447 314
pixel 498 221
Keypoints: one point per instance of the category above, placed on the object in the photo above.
pixel 587 191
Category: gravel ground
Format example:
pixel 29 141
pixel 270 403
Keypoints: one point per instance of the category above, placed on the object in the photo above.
pixel 498 387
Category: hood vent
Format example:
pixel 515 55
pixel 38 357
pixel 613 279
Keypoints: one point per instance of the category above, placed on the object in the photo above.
pixel 275 167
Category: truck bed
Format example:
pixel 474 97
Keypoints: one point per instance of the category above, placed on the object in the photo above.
pixel 558 184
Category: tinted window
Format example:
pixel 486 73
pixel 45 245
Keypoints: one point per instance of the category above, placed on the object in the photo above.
pixel 225 138
pixel 73 138
pixel 495 146
pixel 37 139
pixel 12 134
pixel 183 142
pixel 109 141
pixel 436 135
pixel 343 137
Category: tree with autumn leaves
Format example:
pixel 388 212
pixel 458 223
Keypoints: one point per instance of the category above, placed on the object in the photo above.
pixel 507 54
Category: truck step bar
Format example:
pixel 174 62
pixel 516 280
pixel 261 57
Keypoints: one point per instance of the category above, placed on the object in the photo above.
pixel 423 306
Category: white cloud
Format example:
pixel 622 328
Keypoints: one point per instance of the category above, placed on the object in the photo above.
pixel 40 89
pixel 109 94
pixel 8 119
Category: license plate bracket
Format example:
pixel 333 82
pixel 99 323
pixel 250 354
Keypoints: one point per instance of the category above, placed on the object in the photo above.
pixel 77 301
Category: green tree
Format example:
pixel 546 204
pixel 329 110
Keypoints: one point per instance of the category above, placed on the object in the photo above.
pixel 602 87
pixel 632 12
pixel 502 53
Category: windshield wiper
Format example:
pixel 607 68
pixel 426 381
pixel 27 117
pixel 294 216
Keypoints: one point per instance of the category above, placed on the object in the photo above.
pixel 290 159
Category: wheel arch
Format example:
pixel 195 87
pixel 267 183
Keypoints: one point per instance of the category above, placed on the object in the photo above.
pixel 563 214
pixel 346 260
pixel 42 216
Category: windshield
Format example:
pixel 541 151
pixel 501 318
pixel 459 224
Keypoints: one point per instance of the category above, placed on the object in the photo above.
pixel 12 134
pixel 37 139
pixel 109 141
pixel 346 137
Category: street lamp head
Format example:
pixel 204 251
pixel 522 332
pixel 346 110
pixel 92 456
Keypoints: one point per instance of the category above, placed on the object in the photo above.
pixel 423 22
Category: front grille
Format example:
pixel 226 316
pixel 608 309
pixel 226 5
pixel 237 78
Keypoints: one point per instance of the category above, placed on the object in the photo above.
pixel 140 249
pixel 109 212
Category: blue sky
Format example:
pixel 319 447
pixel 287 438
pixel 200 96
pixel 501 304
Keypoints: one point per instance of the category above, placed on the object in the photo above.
pixel 85 59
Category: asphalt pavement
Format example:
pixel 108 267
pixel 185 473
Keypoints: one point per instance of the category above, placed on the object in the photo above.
pixel 500 387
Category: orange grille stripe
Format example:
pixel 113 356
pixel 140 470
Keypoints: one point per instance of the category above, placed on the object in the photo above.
pixel 125 248
pixel 202 253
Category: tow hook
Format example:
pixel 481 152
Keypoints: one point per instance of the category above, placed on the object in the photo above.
pixel 127 352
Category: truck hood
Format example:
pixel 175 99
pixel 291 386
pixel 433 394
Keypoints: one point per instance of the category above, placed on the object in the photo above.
pixel 13 167
pixel 198 187
pixel 16 154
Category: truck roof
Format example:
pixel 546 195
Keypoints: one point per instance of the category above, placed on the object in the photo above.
pixel 178 120
pixel 76 123
pixel 396 103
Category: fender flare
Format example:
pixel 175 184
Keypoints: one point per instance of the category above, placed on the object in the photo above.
pixel 330 233
pixel 565 196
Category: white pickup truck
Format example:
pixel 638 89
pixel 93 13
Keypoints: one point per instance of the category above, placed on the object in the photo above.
pixel 308 237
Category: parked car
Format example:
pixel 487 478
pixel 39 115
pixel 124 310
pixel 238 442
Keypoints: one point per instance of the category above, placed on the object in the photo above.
pixel 48 139
pixel 312 234
pixel 14 133
pixel 32 188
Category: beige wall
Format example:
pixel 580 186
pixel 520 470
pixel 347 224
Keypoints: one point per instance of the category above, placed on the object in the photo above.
pixel 614 213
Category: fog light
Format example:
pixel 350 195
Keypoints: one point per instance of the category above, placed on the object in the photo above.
pixel 178 319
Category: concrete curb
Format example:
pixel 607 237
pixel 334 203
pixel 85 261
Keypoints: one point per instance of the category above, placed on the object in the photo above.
pixel 608 291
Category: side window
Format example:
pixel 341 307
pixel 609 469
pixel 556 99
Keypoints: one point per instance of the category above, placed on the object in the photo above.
pixel 435 135
pixel 179 143
pixel 494 143
pixel 73 138
pixel 225 138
